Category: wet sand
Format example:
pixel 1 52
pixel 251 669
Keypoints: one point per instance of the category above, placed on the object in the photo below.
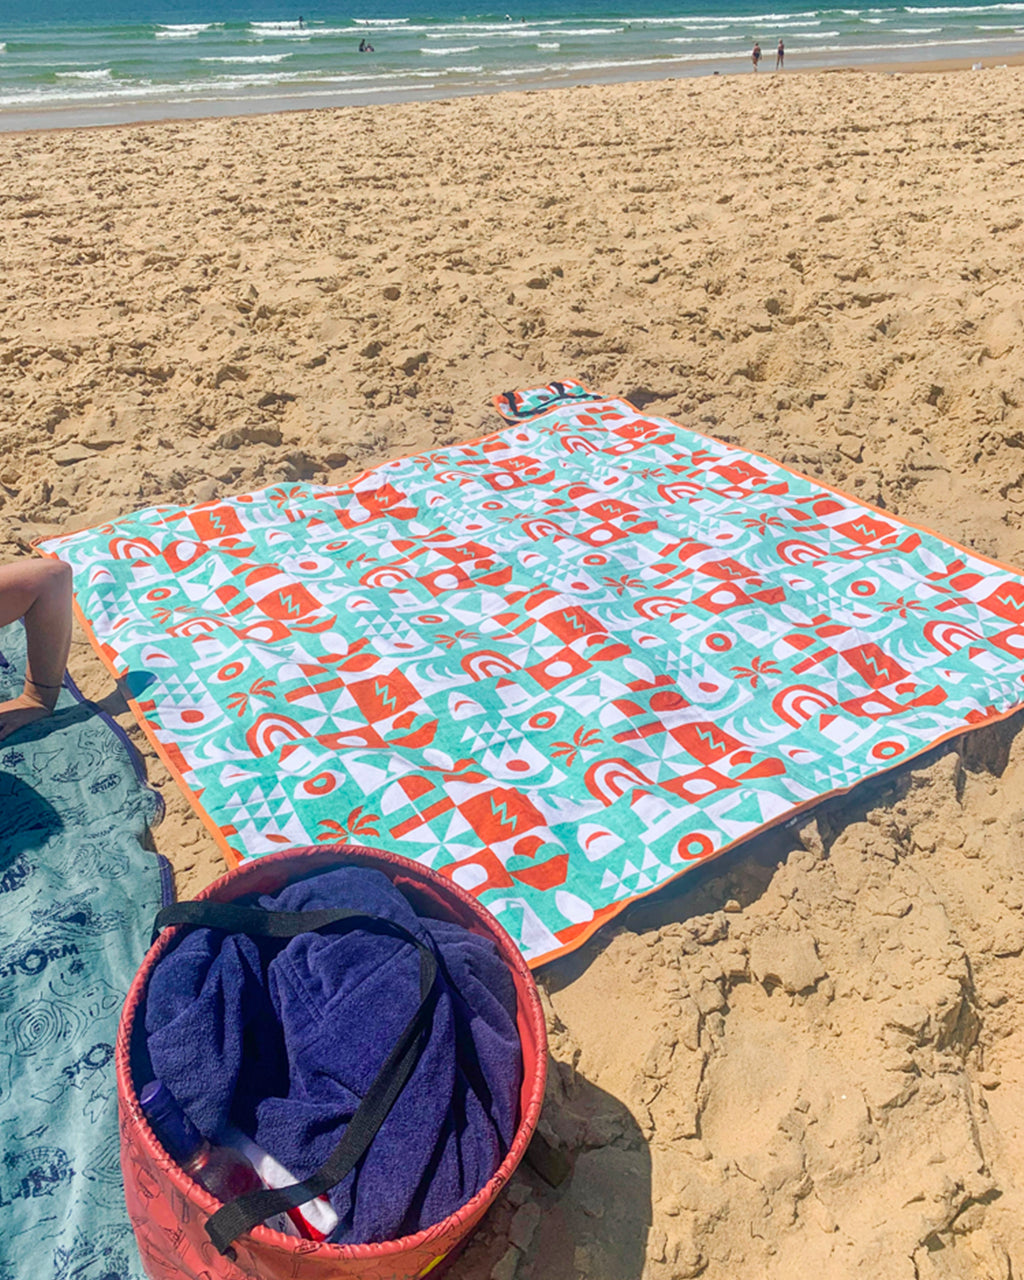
pixel 156 112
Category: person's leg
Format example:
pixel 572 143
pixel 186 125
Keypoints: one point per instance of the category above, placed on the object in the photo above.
pixel 40 592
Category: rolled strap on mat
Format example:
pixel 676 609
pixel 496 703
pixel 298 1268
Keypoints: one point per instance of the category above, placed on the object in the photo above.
pixel 249 1210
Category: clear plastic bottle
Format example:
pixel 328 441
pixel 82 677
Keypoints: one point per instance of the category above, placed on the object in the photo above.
pixel 224 1172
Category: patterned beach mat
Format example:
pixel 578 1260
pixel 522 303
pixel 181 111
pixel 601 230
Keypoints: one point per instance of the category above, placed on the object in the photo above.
pixel 78 893
pixel 563 664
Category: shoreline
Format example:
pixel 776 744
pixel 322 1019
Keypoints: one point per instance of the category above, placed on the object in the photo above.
pixel 57 119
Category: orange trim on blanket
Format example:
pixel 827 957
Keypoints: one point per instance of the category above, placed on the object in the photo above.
pixel 230 856
pixel 574 936
pixel 818 484
pixel 577 934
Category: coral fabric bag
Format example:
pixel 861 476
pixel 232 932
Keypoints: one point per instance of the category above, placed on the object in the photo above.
pixel 169 1211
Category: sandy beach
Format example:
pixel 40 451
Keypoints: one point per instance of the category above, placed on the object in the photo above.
pixel 809 1057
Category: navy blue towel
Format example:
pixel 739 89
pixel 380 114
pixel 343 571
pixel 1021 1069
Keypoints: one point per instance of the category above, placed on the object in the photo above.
pixel 283 1040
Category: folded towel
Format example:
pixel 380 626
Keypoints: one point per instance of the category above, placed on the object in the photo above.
pixel 284 1040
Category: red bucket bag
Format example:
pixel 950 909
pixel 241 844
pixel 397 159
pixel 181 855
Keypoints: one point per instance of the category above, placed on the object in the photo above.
pixel 169 1212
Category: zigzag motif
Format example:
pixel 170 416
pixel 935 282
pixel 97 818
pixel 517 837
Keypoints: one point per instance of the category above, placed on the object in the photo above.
pixel 563 664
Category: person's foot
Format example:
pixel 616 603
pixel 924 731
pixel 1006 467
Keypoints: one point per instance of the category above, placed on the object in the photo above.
pixel 19 712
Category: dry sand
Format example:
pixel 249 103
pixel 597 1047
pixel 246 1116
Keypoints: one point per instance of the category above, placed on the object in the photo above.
pixel 810 1058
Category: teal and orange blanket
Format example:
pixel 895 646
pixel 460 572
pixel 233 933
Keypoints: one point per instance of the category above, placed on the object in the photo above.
pixel 563 664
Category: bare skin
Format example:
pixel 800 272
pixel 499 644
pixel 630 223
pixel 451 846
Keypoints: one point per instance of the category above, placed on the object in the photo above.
pixel 40 592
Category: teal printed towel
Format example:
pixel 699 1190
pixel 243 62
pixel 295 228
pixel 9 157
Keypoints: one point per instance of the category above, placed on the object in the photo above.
pixel 78 892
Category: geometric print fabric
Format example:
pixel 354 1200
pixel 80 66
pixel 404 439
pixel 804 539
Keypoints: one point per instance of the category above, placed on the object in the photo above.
pixel 563 664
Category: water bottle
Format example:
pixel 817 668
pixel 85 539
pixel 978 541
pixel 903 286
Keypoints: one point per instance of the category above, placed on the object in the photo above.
pixel 225 1173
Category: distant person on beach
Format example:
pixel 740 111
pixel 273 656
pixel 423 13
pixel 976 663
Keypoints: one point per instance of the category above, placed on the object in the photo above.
pixel 780 55
pixel 39 591
pixel 756 55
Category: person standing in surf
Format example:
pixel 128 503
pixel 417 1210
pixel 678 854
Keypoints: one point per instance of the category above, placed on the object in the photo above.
pixel 780 55
pixel 756 55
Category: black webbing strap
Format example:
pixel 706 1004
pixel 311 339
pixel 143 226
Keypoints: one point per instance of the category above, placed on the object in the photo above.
pixel 247 1211
pixel 259 923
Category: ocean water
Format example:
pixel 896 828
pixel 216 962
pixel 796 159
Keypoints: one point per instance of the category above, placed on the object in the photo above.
pixel 92 61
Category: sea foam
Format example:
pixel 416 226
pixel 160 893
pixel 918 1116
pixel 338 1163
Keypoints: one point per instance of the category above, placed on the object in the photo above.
pixel 251 57
pixel 182 30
